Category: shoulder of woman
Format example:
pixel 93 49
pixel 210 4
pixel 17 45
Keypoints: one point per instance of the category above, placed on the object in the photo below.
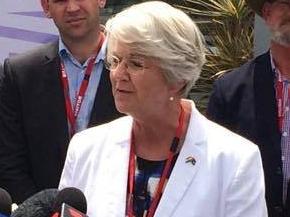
pixel 97 134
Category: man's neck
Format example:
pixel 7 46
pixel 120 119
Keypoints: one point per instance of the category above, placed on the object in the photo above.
pixel 83 49
pixel 281 57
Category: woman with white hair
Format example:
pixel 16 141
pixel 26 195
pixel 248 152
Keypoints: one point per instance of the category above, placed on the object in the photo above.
pixel 164 158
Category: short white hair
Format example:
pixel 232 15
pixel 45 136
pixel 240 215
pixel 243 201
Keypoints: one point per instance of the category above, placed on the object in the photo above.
pixel 158 30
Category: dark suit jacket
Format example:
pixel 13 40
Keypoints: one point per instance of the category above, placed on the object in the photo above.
pixel 244 101
pixel 33 124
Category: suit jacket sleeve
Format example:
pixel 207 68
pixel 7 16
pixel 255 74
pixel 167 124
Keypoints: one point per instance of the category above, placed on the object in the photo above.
pixel 14 165
pixel 230 94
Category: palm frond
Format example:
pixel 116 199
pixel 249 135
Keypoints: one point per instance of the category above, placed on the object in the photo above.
pixel 228 26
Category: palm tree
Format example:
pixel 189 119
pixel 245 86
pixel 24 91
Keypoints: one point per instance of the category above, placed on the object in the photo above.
pixel 228 26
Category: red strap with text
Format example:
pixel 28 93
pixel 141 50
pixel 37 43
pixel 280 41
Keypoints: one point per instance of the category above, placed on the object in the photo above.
pixel 165 172
pixel 280 101
pixel 73 111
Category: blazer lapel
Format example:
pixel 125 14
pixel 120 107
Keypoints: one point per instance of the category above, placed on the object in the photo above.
pixel 53 92
pixel 184 171
pixel 268 133
pixel 115 178
pixel 265 101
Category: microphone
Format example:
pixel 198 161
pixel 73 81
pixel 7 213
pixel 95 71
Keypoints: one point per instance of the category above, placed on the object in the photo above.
pixel 5 203
pixel 38 205
pixel 68 211
pixel 70 202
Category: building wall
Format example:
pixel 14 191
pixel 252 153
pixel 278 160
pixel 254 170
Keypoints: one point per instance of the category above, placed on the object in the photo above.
pixel 262 35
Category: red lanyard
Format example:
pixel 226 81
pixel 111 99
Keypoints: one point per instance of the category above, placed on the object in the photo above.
pixel 168 165
pixel 280 101
pixel 72 112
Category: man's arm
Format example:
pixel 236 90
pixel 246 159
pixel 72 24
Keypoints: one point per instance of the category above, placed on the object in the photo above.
pixel 14 163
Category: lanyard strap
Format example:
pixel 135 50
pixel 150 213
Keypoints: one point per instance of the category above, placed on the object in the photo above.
pixel 280 101
pixel 165 172
pixel 72 112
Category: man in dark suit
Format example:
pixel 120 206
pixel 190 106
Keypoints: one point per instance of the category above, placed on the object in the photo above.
pixel 50 93
pixel 253 101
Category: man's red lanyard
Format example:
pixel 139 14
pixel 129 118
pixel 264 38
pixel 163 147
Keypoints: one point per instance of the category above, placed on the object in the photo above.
pixel 73 111
pixel 280 101
pixel 167 167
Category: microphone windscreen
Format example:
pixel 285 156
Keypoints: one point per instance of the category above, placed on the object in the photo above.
pixel 72 197
pixel 5 202
pixel 38 205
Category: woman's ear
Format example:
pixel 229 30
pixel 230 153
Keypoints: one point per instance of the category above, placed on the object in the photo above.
pixel 177 87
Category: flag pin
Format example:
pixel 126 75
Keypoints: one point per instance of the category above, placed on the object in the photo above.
pixel 191 160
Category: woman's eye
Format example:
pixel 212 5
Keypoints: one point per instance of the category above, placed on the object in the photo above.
pixel 136 63
pixel 56 1
pixel 115 61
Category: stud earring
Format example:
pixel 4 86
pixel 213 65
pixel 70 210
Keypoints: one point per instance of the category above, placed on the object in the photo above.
pixel 171 98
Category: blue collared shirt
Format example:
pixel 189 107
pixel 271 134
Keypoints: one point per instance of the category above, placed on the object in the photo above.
pixel 75 73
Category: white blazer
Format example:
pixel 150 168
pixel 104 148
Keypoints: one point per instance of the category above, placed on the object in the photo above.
pixel 226 181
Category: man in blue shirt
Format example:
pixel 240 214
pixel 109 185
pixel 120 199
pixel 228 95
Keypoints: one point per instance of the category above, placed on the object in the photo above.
pixel 50 93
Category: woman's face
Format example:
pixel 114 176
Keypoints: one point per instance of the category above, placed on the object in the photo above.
pixel 138 84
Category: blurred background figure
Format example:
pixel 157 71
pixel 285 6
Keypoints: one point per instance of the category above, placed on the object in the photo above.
pixel 164 158
pixel 254 101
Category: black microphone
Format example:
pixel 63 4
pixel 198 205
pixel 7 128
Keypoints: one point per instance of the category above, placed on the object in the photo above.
pixel 5 203
pixel 68 211
pixel 38 205
pixel 69 199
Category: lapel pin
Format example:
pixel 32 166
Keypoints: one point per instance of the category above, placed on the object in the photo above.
pixel 191 160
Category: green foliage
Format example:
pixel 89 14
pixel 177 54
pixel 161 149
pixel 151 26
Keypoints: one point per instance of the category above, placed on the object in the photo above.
pixel 228 27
